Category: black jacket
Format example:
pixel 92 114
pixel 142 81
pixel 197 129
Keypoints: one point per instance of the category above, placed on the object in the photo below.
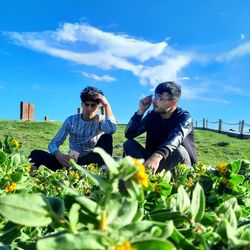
pixel 163 136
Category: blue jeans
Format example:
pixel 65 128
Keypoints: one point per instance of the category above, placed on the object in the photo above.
pixel 134 149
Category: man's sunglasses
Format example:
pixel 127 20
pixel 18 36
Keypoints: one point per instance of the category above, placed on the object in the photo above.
pixel 92 105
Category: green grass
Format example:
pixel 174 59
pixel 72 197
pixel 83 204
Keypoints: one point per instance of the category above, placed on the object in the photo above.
pixel 211 147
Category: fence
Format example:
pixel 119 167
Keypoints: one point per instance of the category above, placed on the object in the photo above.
pixel 241 128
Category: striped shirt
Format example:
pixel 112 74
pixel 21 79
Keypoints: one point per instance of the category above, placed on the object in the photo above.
pixel 83 135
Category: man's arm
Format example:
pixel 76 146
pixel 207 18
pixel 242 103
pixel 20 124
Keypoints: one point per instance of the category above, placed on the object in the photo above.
pixel 137 124
pixel 59 140
pixel 177 137
pixel 173 142
pixel 109 124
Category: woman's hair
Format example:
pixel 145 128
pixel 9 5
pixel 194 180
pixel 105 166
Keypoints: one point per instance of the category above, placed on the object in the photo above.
pixel 89 94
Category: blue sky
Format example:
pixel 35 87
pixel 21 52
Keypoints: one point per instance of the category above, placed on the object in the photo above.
pixel 51 50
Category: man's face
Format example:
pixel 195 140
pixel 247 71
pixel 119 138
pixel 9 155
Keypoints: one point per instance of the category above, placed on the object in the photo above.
pixel 162 103
pixel 90 109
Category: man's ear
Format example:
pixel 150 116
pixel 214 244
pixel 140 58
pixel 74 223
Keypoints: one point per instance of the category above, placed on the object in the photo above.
pixel 174 103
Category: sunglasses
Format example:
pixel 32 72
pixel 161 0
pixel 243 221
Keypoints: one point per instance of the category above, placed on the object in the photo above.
pixel 92 105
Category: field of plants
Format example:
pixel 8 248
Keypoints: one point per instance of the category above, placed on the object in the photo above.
pixel 124 207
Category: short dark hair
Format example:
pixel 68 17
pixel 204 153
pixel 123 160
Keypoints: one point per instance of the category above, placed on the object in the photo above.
pixel 89 94
pixel 171 88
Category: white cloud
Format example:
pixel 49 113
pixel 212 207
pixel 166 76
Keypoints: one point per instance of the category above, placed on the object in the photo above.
pixel 239 51
pixel 242 36
pixel 86 45
pixel 36 87
pixel 165 71
pixel 232 89
pixel 104 78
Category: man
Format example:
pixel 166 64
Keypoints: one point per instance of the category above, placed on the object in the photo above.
pixel 169 131
pixel 86 131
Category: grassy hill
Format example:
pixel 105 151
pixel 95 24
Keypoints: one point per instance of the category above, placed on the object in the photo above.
pixel 211 147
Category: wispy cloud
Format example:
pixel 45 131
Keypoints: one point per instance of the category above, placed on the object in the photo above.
pixel 83 44
pixel 232 89
pixel 241 50
pixel 242 37
pixel 36 87
pixel 104 78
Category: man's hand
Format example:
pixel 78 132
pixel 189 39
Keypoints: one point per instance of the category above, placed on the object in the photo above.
pixel 102 99
pixel 153 161
pixel 144 104
pixel 63 159
pixel 105 104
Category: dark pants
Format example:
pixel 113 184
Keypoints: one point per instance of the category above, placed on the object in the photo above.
pixel 132 148
pixel 40 157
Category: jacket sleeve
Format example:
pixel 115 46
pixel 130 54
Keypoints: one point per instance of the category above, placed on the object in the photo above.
pixel 59 137
pixel 136 126
pixel 177 136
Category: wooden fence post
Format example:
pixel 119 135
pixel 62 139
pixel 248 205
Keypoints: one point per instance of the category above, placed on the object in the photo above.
pixel 239 126
pixel 79 110
pixel 242 128
pixel 220 125
pixel 203 123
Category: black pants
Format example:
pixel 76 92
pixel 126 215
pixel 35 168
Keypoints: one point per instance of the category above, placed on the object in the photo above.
pixel 132 148
pixel 40 157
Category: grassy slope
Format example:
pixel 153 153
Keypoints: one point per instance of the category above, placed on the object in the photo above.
pixel 211 147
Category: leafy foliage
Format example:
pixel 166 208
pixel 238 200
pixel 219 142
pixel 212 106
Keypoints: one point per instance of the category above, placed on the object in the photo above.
pixel 126 207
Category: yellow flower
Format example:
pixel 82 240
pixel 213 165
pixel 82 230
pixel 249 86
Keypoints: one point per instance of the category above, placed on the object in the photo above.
pixel 28 168
pixel 140 176
pixel 222 168
pixel 157 189
pixel 74 174
pixel 91 167
pixel 16 143
pixel 182 166
pixel 190 182
pixel 87 191
pixel 125 246
pixel 201 164
pixel 10 188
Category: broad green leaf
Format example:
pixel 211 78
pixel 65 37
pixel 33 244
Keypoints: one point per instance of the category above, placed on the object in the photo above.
pixel 221 229
pixel 25 209
pixel 164 215
pixel 88 204
pixel 55 205
pixel 209 219
pixel 236 166
pixel 147 229
pixel 166 188
pixel 109 161
pixel 198 203
pixel 183 201
pixel 74 215
pixel 16 159
pixel 180 241
pixel 236 179
pixel 231 218
pixel 16 177
pixel 231 203
pixel 120 212
pixel 3 157
pixel 82 241
pixel 153 244
pixel 10 232
pixel 135 190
